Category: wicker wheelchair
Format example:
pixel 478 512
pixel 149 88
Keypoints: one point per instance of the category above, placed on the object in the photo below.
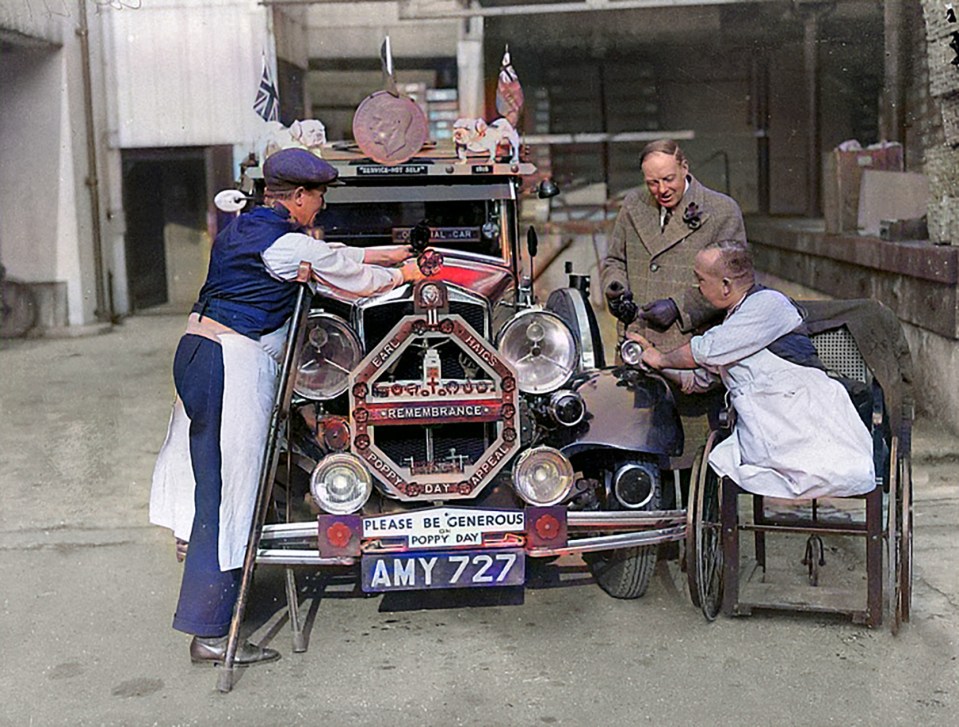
pixel 860 342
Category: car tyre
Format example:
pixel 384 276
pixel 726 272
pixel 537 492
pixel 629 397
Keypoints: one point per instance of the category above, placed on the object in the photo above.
pixel 623 573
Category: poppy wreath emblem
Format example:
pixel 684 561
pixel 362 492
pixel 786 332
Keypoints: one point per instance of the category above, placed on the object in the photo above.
pixel 339 535
pixel 547 527
pixel 692 216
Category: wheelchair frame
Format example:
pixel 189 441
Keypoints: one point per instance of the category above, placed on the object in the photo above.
pixel 713 524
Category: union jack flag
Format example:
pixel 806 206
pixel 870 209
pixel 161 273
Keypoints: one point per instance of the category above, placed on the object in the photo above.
pixel 509 92
pixel 267 103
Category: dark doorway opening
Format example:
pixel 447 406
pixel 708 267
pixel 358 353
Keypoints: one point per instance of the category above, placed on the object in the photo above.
pixel 167 197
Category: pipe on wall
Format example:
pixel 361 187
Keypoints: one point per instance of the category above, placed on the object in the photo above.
pixel 892 115
pixel 104 308
pixel 813 131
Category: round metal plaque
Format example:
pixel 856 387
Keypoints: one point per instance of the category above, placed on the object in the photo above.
pixel 430 262
pixel 389 129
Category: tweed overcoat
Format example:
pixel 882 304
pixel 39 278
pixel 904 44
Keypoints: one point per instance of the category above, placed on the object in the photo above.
pixel 657 263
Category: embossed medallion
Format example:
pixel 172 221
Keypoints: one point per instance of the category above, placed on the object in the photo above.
pixel 389 129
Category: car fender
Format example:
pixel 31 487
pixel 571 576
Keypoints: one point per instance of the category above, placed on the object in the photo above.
pixel 628 410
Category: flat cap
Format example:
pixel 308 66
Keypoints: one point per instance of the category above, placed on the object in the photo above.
pixel 291 168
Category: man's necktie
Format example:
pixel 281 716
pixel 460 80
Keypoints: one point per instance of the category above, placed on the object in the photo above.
pixel 669 213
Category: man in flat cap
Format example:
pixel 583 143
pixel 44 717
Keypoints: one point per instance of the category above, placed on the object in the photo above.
pixel 225 367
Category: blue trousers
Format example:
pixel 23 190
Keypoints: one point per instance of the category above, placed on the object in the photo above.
pixel 207 594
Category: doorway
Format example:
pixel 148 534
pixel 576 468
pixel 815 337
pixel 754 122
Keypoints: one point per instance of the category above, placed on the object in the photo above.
pixel 166 200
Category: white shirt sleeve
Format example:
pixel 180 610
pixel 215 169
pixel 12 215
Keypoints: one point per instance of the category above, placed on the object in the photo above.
pixel 692 381
pixel 335 266
pixel 758 321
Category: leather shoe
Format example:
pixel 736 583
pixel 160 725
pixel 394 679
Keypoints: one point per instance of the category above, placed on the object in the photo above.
pixel 213 651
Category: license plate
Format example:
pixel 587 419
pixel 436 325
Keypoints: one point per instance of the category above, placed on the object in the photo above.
pixel 459 569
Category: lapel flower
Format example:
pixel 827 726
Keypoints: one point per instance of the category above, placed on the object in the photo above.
pixel 693 217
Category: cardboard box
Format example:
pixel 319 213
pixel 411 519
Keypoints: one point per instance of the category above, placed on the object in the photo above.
pixel 842 177
pixel 890 196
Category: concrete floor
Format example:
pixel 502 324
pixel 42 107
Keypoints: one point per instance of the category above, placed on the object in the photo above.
pixel 87 590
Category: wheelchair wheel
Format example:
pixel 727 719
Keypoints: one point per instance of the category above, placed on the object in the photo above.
pixel 903 591
pixel 893 530
pixel 19 309
pixel 689 556
pixel 704 560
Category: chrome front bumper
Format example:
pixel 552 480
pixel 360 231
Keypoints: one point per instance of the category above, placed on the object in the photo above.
pixel 646 528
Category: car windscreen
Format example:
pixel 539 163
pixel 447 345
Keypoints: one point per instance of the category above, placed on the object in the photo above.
pixel 465 218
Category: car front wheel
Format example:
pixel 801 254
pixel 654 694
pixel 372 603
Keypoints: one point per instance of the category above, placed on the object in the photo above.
pixel 623 573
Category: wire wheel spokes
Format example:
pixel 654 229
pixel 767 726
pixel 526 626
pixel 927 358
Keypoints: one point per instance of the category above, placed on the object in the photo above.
pixel 19 313
pixel 704 547
pixel 691 555
pixel 709 544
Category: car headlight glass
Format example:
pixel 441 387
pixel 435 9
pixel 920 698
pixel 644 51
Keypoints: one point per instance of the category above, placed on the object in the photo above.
pixel 631 352
pixel 340 484
pixel 635 484
pixel 329 352
pixel 542 349
pixel 542 476
pixel 566 408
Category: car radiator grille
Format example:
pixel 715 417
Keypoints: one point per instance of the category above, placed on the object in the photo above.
pixel 403 443
pixel 379 320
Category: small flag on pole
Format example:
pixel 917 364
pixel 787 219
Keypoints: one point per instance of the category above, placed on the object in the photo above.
pixel 267 103
pixel 386 57
pixel 509 92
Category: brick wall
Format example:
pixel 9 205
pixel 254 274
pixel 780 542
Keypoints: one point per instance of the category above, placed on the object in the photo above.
pixel 933 114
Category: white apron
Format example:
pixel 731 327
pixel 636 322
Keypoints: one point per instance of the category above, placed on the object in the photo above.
pixel 249 385
pixel 797 434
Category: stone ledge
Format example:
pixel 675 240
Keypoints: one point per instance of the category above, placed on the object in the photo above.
pixel 914 258
pixel 916 279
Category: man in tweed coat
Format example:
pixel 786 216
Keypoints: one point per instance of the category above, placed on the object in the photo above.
pixel 652 248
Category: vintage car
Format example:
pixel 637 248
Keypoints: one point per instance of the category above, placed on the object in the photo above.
pixel 456 432
pixel 448 433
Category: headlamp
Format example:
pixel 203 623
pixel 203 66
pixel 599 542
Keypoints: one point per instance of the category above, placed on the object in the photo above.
pixel 340 484
pixel 542 476
pixel 541 348
pixel 329 352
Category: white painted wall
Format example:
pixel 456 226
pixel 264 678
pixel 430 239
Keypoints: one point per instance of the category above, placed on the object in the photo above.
pixel 291 34
pixel 471 69
pixel 187 71
pixel 45 207
pixel 168 73
pixel 70 234
pixel 41 19
pixel 356 30
pixel 30 172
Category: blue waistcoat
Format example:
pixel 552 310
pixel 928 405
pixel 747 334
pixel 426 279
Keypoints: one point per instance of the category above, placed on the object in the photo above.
pixel 794 346
pixel 239 292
